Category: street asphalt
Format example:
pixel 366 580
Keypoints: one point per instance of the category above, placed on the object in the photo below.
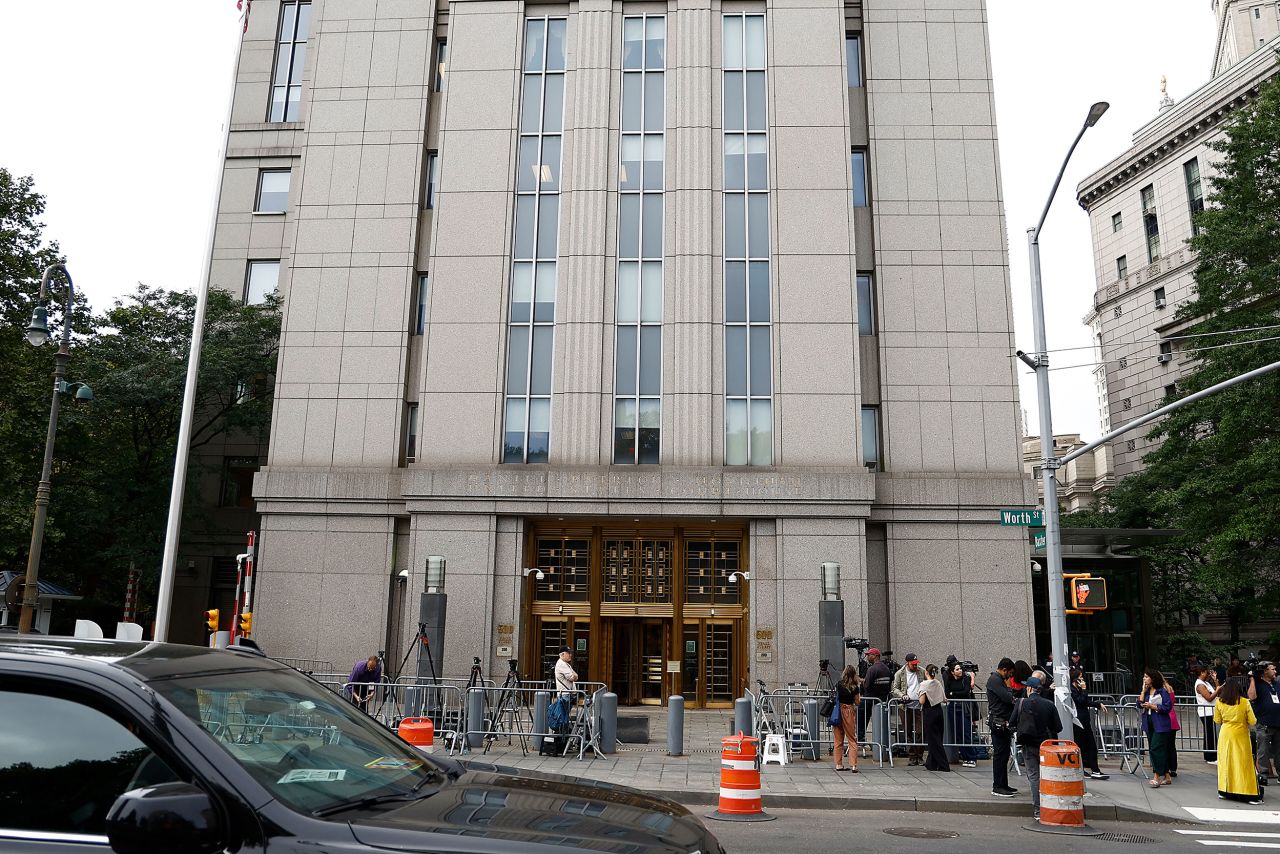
pixel 836 830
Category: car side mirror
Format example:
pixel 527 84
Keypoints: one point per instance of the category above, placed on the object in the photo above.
pixel 175 817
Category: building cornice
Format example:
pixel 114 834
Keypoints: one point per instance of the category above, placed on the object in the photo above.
pixel 1160 271
pixel 1199 113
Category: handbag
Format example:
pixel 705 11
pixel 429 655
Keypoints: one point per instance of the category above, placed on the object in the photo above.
pixel 1174 724
pixel 828 705
pixel 835 715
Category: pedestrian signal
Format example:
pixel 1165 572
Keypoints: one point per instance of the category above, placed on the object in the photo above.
pixel 1088 593
pixel 211 619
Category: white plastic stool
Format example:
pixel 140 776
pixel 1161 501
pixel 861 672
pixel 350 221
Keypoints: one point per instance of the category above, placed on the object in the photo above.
pixel 775 750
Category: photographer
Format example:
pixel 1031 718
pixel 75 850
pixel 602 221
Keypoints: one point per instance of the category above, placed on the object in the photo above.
pixel 1000 697
pixel 1265 698
pixel 958 684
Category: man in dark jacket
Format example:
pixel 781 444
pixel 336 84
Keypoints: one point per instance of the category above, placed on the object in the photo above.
pixel 1000 707
pixel 876 687
pixel 1035 720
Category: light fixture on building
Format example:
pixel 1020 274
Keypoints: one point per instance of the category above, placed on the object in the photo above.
pixel 537 573
pixel 435 574
pixel 734 576
pixel 830 581
pixel 402 576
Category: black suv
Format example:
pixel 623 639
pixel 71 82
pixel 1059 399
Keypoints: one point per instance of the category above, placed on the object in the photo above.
pixel 137 747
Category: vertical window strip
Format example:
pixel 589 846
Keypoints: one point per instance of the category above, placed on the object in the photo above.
pixel 531 323
pixel 1195 191
pixel 291 53
pixel 748 383
pixel 1151 223
pixel 637 418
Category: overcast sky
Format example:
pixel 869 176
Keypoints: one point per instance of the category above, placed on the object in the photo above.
pixel 116 110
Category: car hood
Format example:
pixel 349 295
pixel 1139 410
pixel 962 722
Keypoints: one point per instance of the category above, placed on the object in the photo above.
pixel 491 808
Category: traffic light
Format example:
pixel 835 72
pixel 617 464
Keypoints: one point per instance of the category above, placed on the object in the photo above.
pixel 211 619
pixel 246 623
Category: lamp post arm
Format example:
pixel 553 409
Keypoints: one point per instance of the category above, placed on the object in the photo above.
pixel 31 589
pixel 1035 232
pixel 1165 410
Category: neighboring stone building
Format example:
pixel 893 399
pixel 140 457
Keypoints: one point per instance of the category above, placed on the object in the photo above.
pixel 1081 482
pixel 640 295
pixel 1140 210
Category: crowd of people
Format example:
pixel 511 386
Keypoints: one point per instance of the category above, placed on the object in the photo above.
pixel 1239 711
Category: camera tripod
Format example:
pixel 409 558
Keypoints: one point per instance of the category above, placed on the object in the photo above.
pixel 508 714
pixel 826 682
pixel 431 701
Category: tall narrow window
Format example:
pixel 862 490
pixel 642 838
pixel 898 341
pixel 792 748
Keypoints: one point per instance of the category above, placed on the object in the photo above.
pixel 748 355
pixel 871 437
pixel 531 326
pixel 866 305
pixel 1117 222
pixel 433 179
pixel 1122 266
pixel 858 168
pixel 853 58
pixel 1159 297
pixel 273 191
pixel 291 54
pixel 442 62
pixel 261 280
pixel 420 304
pixel 410 432
pixel 1151 223
pixel 1195 192
pixel 637 407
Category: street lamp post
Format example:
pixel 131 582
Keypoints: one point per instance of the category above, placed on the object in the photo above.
pixel 37 334
pixel 1050 463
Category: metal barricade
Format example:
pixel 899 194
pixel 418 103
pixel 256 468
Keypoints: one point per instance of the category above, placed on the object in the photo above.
pixel 906 727
pixel 1118 735
pixel 966 730
pixel 509 714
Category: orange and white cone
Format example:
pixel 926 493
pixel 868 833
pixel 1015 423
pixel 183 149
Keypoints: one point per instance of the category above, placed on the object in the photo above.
pixel 740 781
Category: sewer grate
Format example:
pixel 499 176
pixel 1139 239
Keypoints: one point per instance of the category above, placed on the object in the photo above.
pixel 921 833
pixel 1127 838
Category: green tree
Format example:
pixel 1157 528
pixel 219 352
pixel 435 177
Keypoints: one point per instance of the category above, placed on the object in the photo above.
pixel 113 459
pixel 1216 475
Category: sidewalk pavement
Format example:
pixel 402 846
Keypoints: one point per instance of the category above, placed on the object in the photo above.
pixel 695 779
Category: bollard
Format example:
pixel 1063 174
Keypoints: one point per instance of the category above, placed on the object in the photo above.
pixel 541 700
pixel 475 717
pixel 1062 791
pixel 811 724
pixel 675 725
pixel 608 706
pixel 739 782
pixel 742 715
pixel 880 732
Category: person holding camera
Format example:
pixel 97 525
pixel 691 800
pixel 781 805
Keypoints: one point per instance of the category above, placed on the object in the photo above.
pixel 958 684
pixel 1000 698
pixel 1265 699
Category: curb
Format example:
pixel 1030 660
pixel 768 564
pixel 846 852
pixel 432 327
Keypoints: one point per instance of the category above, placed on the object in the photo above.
pixel 1014 809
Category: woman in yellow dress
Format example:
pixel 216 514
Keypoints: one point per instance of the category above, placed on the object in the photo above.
pixel 1237 780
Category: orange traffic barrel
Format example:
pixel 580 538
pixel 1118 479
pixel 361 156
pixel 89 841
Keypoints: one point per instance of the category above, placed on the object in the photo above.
pixel 419 732
pixel 740 781
pixel 1062 790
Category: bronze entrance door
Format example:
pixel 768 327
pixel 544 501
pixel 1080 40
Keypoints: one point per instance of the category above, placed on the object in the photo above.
pixel 649 610
pixel 639 654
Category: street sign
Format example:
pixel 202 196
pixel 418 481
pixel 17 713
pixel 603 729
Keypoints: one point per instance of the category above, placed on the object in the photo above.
pixel 1039 541
pixel 1025 518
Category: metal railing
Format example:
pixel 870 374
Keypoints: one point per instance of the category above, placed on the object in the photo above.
pixel 518 714
pixel 306 665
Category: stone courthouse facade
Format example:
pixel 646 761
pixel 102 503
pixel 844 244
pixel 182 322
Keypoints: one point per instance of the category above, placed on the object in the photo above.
pixel 638 295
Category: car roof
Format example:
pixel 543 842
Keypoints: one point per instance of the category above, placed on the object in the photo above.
pixel 146 660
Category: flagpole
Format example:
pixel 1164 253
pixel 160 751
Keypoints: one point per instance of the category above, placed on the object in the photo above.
pixel 168 564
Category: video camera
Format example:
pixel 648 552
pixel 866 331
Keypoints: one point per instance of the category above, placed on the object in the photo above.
pixel 511 664
pixel 860 644
pixel 968 667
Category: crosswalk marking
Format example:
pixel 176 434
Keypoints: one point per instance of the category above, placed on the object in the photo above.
pixel 1243 815
pixel 1274 846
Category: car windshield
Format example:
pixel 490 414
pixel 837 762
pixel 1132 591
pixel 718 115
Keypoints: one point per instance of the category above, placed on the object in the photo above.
pixel 308 746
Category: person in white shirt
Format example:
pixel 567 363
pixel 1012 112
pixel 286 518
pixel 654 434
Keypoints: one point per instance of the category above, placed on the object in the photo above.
pixel 1206 692
pixel 906 686
pixel 566 676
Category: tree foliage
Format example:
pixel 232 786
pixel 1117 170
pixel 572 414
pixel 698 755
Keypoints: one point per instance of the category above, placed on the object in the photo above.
pixel 1216 474
pixel 113 458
